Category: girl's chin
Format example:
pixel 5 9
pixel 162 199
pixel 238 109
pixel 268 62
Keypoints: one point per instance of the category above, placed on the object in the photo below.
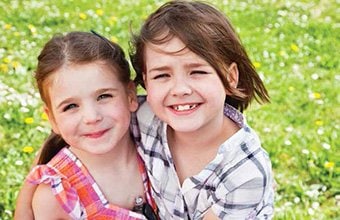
pixel 183 127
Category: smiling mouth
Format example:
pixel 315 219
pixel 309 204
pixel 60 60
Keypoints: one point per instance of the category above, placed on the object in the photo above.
pixel 96 134
pixel 184 107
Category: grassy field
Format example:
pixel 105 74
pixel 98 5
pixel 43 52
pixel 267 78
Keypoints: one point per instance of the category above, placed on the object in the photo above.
pixel 292 44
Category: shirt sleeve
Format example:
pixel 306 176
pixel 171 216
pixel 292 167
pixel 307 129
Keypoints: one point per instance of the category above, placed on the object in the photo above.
pixel 245 190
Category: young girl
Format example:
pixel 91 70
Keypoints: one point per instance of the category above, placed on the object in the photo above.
pixel 84 81
pixel 203 159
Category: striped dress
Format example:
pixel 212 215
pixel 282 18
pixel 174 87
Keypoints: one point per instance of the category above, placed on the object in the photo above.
pixel 78 193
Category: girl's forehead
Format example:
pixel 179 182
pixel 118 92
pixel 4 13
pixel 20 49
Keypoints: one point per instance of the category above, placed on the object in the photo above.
pixel 172 46
pixel 75 72
pixel 157 59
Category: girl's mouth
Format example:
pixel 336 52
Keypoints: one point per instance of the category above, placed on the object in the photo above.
pixel 96 134
pixel 184 107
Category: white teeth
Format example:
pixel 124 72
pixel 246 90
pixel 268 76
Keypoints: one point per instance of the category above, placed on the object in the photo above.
pixel 184 107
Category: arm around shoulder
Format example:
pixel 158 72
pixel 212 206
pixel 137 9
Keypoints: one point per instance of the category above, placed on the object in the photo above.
pixel 23 207
pixel 44 203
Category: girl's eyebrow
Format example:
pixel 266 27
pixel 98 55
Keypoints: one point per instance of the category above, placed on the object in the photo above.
pixel 195 65
pixel 159 69
pixel 63 102
pixel 106 90
pixel 70 99
pixel 188 66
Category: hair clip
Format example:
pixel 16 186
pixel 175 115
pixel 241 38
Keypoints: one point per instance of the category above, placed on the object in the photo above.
pixel 103 38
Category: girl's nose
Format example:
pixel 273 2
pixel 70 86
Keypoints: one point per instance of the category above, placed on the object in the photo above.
pixel 181 87
pixel 91 115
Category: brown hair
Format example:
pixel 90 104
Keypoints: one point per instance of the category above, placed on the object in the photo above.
pixel 74 48
pixel 208 33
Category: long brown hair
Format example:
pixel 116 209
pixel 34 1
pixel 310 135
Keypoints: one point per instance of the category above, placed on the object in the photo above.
pixel 74 48
pixel 208 33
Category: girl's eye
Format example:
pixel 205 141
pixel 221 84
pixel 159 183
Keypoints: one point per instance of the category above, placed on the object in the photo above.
pixel 70 106
pixel 104 96
pixel 198 72
pixel 161 76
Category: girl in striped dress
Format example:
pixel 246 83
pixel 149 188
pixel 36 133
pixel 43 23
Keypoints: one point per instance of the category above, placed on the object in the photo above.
pixel 93 171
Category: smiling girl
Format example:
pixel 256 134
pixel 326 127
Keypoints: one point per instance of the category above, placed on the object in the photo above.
pixel 84 81
pixel 203 159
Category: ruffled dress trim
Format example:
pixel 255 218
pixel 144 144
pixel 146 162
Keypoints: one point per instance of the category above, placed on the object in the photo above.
pixel 78 193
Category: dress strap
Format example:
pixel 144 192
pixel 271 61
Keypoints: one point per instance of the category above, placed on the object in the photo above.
pixel 146 183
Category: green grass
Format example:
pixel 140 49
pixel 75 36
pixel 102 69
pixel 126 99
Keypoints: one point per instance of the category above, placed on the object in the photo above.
pixel 293 45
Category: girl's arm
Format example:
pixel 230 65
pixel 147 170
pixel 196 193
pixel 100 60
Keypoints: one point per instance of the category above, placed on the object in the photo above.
pixel 46 206
pixel 23 207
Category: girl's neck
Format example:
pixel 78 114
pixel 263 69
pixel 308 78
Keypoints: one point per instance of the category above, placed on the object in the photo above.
pixel 206 136
pixel 114 170
pixel 191 152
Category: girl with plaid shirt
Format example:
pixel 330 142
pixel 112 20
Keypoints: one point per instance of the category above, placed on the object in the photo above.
pixel 202 158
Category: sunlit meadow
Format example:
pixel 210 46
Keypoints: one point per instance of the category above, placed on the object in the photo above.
pixel 293 45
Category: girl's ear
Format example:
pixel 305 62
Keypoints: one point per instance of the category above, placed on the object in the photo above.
pixel 132 96
pixel 232 75
pixel 51 120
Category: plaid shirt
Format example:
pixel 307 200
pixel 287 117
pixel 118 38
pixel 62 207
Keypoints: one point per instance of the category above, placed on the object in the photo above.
pixel 237 184
pixel 78 193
